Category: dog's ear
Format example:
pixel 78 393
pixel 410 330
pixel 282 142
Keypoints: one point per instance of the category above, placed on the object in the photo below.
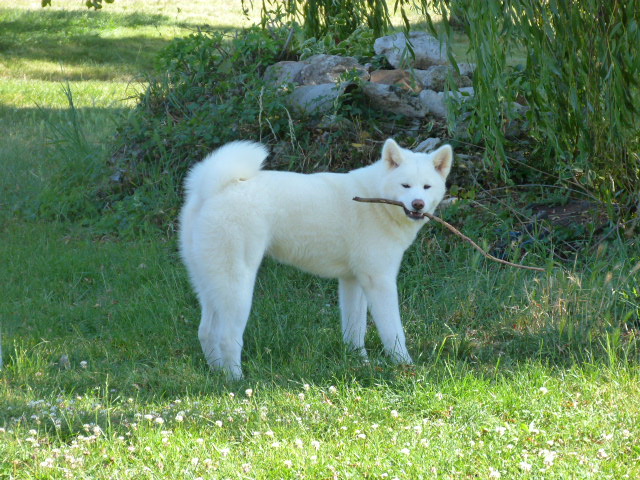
pixel 442 160
pixel 392 153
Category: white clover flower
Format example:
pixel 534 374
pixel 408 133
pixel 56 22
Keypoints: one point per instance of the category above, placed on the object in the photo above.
pixel 524 466
pixel 179 418
pixel 361 436
pixel 405 451
pixel 288 463
pixel 493 473
pixel 248 392
pixel 306 387
pixel 395 414
pixel 333 390
pixel 548 456
pixel 84 364
pixel 159 420
pixel 148 417
pixel 298 443
pixel 269 433
pixel 218 423
pixel 315 444
pixel 543 390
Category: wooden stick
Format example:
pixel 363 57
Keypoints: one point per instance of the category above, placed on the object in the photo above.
pixel 452 229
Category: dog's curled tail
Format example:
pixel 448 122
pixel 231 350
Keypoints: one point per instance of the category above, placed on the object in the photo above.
pixel 230 163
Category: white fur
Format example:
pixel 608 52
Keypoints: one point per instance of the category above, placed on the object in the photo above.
pixel 235 213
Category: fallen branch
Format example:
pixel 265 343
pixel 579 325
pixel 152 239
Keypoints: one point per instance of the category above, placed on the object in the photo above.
pixel 452 229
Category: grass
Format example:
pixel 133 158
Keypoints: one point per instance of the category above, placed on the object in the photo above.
pixel 518 375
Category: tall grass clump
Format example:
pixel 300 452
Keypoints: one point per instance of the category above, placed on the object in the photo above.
pixel 579 82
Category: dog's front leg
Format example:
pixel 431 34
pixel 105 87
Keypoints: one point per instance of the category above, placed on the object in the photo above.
pixel 382 295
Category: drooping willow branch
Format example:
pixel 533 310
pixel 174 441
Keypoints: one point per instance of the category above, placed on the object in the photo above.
pixel 452 229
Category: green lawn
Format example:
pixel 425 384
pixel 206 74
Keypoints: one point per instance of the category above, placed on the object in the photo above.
pixel 518 375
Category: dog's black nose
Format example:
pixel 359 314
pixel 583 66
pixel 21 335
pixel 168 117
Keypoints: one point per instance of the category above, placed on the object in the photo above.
pixel 417 204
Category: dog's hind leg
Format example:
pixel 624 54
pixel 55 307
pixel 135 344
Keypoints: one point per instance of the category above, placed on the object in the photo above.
pixel 209 335
pixel 228 277
pixel 225 312
pixel 353 310
pixel 236 307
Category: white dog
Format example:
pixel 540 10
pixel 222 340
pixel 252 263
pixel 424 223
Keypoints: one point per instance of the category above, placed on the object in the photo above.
pixel 235 213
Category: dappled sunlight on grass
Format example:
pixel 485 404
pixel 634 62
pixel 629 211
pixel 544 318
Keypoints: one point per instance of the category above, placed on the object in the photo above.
pixel 18 93
pixel 117 43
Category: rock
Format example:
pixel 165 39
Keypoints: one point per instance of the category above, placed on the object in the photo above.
pixel 331 69
pixel 284 73
pixel 428 50
pixel 467 69
pixel 428 145
pixel 394 99
pixel 436 102
pixel 435 78
pixel 313 99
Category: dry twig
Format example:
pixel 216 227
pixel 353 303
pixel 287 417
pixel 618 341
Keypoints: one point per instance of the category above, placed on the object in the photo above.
pixel 452 229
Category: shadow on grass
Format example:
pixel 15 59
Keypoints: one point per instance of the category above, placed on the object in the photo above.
pixel 82 39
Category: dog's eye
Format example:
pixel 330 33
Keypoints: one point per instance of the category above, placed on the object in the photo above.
pixel 406 185
pixel 427 187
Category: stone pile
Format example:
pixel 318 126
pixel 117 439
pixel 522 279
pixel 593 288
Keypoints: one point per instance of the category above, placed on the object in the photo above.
pixel 415 87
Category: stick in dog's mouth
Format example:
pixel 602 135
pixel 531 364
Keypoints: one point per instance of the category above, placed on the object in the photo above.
pixel 412 214
pixel 409 213
pixel 450 227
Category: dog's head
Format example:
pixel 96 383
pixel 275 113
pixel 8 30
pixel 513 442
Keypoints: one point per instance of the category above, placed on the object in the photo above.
pixel 415 179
